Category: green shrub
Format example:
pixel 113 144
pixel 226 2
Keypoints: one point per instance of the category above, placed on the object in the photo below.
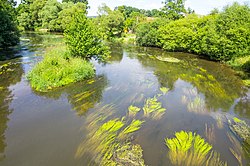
pixel 147 33
pixel 82 37
pixel 58 68
pixel 222 37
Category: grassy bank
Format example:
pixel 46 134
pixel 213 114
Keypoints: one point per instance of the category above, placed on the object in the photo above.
pixel 58 68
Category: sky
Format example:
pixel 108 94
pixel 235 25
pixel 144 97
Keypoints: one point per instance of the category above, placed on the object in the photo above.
pixel 202 7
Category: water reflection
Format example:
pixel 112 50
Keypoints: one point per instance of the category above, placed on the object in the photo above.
pixel 10 74
pixel 116 53
pixel 209 78
pixel 82 95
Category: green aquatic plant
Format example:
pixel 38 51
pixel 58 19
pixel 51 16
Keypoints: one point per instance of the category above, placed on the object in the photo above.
pixel 187 148
pixel 209 133
pixel 237 120
pixel 109 141
pixel 126 154
pixel 214 160
pixel 164 90
pixel 134 126
pixel 153 108
pixel 133 110
pixel 236 148
pixel 197 105
pixel 241 129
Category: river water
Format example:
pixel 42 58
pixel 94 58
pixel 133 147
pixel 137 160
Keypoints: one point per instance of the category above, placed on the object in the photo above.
pixel 56 128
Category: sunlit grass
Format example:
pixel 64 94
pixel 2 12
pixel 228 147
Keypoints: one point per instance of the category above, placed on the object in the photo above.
pixel 58 68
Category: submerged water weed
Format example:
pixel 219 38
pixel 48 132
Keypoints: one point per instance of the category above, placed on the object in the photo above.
pixel 236 150
pixel 105 143
pixel 133 110
pixel 214 160
pixel 197 105
pixel 153 108
pixel 241 129
pixel 134 126
pixel 167 59
pixel 209 133
pixel 188 148
pixel 128 154
pixel 164 90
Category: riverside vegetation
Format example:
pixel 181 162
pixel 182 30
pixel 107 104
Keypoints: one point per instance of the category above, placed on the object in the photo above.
pixel 221 36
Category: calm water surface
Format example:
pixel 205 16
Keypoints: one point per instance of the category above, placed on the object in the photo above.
pixel 54 128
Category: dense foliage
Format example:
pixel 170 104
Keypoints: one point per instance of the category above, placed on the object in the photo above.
pixel 174 9
pixel 58 68
pixel 110 22
pixel 82 38
pixel 47 14
pixel 222 36
pixel 9 34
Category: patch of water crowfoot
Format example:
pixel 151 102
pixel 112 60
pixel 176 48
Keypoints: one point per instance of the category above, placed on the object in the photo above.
pixel 153 108
pixel 110 143
pixel 240 128
pixel 188 148
pixel 134 126
pixel 164 90
pixel 133 110
pixel 128 154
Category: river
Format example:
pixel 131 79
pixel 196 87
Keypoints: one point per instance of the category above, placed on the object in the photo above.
pixel 54 128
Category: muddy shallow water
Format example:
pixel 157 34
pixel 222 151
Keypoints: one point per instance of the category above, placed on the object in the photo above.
pixel 56 128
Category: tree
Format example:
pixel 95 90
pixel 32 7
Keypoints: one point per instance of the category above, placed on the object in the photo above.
pixel 134 20
pixel 9 34
pixel 28 10
pixel 174 9
pixel 49 15
pixel 214 11
pixel 111 22
pixel 82 37
pixel 76 1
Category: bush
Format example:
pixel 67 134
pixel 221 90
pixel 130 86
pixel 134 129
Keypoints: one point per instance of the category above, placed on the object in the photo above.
pixel 220 37
pixel 58 68
pixel 82 37
pixel 147 33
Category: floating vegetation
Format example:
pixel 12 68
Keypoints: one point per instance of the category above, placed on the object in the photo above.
pixel 188 148
pixel 164 90
pixel 133 110
pixel 241 129
pixel 209 133
pixel 129 154
pixel 168 59
pixel 153 108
